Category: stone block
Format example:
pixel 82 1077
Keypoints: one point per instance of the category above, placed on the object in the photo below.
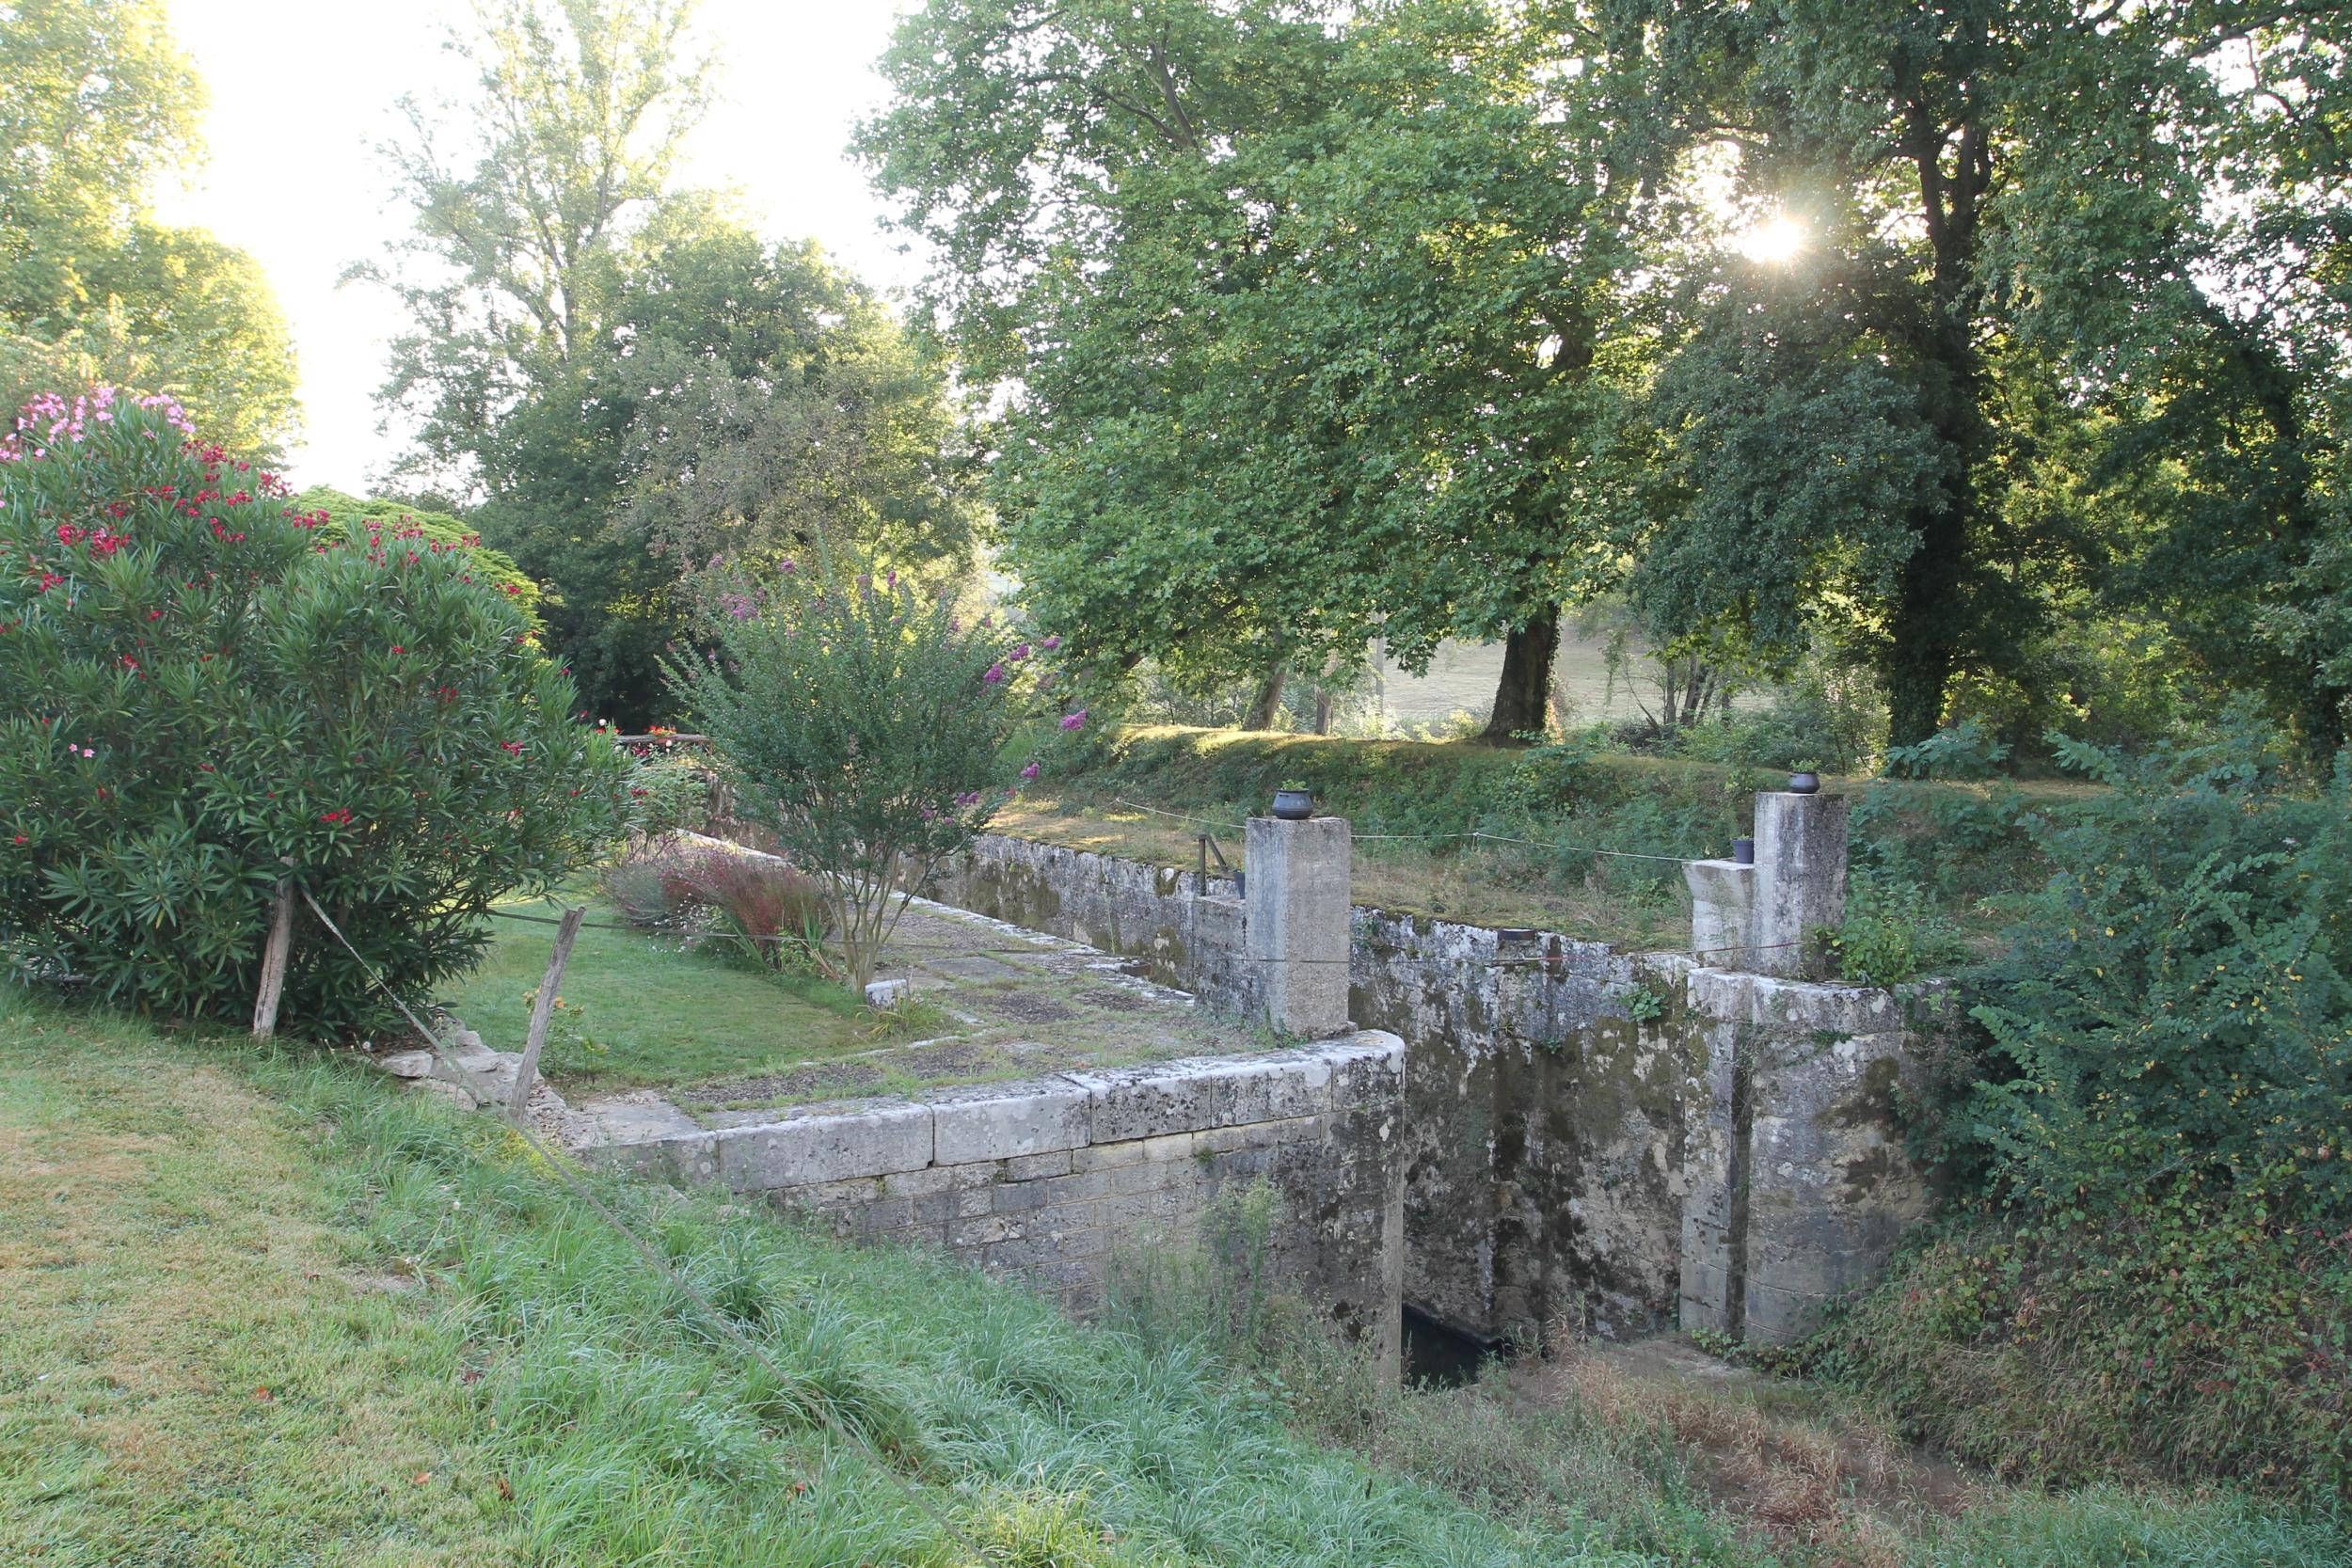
pixel 976 1231
pixel 1010 1121
pixel 1030 1167
pixel 1191 1095
pixel 1167 1146
pixel 1296 929
pixel 1102 1156
pixel 1011 1197
pixel 1807 1009
pixel 1801 871
pixel 806 1150
pixel 1078 1187
pixel 918 1183
pixel 1722 913
pixel 692 1158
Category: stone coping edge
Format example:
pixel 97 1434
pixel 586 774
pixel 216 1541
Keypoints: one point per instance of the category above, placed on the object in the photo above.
pixel 974 1123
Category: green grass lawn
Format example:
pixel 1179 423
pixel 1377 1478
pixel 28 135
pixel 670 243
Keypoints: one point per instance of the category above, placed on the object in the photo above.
pixel 640 1010
pixel 262 1313
pixel 263 1310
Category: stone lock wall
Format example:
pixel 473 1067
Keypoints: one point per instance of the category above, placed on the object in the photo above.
pixel 1053 1178
pixel 1565 1165
pixel 1798 1184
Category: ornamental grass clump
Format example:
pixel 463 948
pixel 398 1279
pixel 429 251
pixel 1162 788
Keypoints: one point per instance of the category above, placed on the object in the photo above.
pixel 210 692
pixel 871 727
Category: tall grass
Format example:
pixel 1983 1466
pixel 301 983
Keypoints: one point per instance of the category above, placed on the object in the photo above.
pixel 644 1438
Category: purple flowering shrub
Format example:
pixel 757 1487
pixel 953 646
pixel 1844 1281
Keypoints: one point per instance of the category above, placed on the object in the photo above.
pixel 870 727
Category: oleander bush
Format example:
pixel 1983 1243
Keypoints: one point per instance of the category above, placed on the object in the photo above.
pixel 209 691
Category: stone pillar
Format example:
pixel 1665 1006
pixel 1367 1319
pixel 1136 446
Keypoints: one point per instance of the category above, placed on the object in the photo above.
pixel 1801 877
pixel 1296 929
pixel 1722 913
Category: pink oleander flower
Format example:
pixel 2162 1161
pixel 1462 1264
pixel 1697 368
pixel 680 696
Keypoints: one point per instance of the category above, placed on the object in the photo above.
pixel 1030 772
pixel 1051 644
pixel 1074 720
pixel 995 673
pixel 1020 651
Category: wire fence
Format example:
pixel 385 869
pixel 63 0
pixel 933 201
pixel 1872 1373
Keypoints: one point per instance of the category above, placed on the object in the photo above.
pixel 1432 838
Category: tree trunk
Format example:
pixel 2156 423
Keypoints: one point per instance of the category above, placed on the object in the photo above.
pixel 1924 633
pixel 1323 710
pixel 1523 694
pixel 1267 703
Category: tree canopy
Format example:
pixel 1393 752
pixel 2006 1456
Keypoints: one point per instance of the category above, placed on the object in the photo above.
pixel 1429 316
pixel 620 377
pixel 1299 317
pixel 96 103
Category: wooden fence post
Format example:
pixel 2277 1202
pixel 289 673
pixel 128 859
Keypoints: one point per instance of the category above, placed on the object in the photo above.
pixel 273 962
pixel 543 1012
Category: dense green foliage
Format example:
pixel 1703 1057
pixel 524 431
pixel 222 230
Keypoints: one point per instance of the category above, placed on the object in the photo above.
pixel 377 514
pixel 210 692
pixel 2157 1262
pixel 97 102
pixel 642 387
pixel 868 726
pixel 1429 316
pixel 1300 323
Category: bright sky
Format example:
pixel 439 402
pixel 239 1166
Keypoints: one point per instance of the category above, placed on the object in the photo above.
pixel 302 93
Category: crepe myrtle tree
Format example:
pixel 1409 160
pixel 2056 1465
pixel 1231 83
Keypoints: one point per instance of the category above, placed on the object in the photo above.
pixel 872 726
pixel 212 692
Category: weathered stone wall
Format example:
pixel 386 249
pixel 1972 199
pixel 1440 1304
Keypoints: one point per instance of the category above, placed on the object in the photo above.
pixel 1552 1141
pixel 1051 1178
pixel 1542 1125
pixel 1799 1181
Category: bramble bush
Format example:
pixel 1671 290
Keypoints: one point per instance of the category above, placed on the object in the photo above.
pixel 2157 1263
pixel 870 727
pixel 210 690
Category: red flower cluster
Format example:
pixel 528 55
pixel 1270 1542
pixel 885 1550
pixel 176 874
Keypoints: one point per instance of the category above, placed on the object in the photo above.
pixel 336 818
pixel 102 542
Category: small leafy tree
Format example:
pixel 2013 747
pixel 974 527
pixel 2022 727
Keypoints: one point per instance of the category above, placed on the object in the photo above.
pixel 210 692
pixel 871 726
pixel 2152 1259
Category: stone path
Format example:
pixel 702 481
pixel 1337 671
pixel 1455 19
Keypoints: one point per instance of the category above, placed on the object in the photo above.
pixel 1013 1002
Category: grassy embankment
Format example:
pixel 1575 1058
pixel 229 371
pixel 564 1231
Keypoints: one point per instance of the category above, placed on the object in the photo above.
pixel 1957 842
pixel 263 1312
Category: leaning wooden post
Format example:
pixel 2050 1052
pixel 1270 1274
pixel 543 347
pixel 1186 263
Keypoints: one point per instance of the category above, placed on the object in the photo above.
pixel 543 1012
pixel 273 962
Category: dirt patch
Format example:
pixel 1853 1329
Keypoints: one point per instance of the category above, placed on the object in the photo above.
pixel 805 1083
pixel 1017 1006
pixel 1777 1455
pixel 1117 1000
